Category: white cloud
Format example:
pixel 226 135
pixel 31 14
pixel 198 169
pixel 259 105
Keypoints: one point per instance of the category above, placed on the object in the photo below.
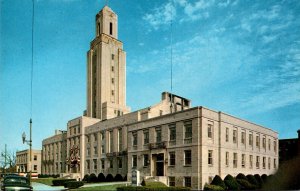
pixel 269 38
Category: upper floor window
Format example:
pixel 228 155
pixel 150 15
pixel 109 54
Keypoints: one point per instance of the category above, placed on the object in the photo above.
pixel 257 141
pixel 134 138
pixel 110 28
pixel 251 139
pixel 264 142
pixel 243 137
pixel 146 137
pixel 35 157
pixel 172 130
pixel 257 161
pixel 158 134
pixel 95 137
pixel 120 139
pixel 102 163
pixel 209 130
pixel 187 129
pixel 243 160
pixel 227 159
pixel 187 157
pixel 251 161
pixel 112 56
pixel 120 164
pixel 227 134
pixel 234 136
pixel 275 146
pixel 234 160
pixel 146 160
pixel 269 144
pixel 134 161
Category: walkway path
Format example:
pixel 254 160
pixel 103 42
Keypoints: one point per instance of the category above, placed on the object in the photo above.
pixel 43 187
pixel 104 184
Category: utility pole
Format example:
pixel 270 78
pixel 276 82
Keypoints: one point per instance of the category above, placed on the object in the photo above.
pixel 5 153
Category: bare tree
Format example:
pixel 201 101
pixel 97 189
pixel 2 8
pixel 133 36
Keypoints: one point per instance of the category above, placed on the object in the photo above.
pixel 8 161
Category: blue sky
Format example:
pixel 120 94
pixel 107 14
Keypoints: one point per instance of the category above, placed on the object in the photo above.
pixel 241 57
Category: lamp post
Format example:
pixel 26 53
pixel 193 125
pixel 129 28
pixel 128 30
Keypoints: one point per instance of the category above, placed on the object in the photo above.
pixel 29 142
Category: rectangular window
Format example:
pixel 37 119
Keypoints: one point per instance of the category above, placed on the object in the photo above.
pixel 110 28
pixel 95 150
pixel 187 157
pixel 257 141
pixel 120 162
pixel 227 159
pixel 264 162
pixel 188 129
pixel 88 138
pixel 243 160
pixel 250 161
pixel 269 144
pixel 275 146
pixel 171 181
pixel 111 137
pixel 210 157
pixel 158 135
pixel 102 164
pixel 88 151
pixel 243 137
pixel 134 161
pixel 112 56
pixel 146 137
pixel 102 149
pixel 235 160
pixel 95 137
pixel 112 92
pixel 234 136
pixel 134 138
pixel 269 163
pixel 35 157
pixel 264 142
pixel 112 80
pixel 120 140
pixel 172 157
pixel 88 164
pixel 112 68
pixel 146 160
pixel 209 130
pixel 187 181
pixel 251 139
pixel 257 161
pixel 111 163
pixel 95 164
pixel 172 131
pixel 35 167
pixel 275 164
pixel 227 134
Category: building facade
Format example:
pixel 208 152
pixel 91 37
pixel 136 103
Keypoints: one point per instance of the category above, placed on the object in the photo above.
pixel 171 141
pixel 289 148
pixel 23 161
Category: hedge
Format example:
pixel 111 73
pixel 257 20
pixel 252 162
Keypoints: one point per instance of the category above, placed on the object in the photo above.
pixel 259 180
pixel 92 178
pixel 141 188
pixel 101 177
pixel 212 187
pixel 118 177
pixel 231 183
pixel 86 177
pixel 109 178
pixel 252 180
pixel 61 182
pixel 73 184
pixel 241 176
pixel 218 182
pixel 245 184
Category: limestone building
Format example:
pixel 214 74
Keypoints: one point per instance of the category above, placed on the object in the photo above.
pixel 170 141
pixel 23 161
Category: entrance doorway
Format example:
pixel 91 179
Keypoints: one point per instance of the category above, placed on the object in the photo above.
pixel 160 165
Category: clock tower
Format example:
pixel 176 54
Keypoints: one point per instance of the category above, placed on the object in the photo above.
pixel 106 69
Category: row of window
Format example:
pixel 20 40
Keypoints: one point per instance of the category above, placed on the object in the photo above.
pixel 109 164
pixel 187 181
pixel 158 134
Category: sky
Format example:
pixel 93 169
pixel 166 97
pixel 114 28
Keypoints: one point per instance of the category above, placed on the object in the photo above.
pixel 241 57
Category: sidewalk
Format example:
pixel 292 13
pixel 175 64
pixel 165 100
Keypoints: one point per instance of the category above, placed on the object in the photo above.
pixel 43 187
pixel 104 184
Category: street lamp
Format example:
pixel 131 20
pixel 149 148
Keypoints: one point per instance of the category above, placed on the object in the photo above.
pixel 29 142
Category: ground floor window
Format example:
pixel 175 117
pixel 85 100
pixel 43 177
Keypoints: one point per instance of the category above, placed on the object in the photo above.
pixel 171 181
pixel 134 161
pixel 187 181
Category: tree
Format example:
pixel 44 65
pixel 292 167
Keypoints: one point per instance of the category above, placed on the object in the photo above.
pixel 8 162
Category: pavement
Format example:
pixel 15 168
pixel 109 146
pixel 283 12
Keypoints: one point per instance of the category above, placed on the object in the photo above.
pixel 43 187
pixel 104 184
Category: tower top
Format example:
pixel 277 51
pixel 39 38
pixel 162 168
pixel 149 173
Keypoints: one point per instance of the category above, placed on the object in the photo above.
pixel 107 22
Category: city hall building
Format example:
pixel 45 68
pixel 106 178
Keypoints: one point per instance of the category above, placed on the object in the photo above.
pixel 169 141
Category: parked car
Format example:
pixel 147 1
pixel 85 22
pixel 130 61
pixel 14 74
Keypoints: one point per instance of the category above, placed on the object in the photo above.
pixel 15 182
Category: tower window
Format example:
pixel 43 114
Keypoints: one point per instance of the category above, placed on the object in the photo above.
pixel 110 28
pixel 112 56
pixel 112 80
pixel 112 92
pixel 98 26
pixel 112 69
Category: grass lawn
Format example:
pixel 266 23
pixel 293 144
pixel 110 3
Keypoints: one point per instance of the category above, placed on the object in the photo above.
pixel 154 184
pixel 108 187
pixel 47 181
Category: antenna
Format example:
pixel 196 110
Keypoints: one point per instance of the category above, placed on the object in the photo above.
pixel 171 66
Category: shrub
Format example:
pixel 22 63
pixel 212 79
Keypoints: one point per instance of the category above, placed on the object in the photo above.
pixel 252 180
pixel 264 178
pixel 109 178
pixel 92 178
pixel 101 177
pixel 241 176
pixel 245 184
pixel 118 177
pixel 86 178
pixel 61 182
pixel 218 182
pixel 259 180
pixel 231 183
pixel 125 178
pixel 143 183
pixel 73 184
pixel 212 187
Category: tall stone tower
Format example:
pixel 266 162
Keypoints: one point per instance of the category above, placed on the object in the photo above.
pixel 106 69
